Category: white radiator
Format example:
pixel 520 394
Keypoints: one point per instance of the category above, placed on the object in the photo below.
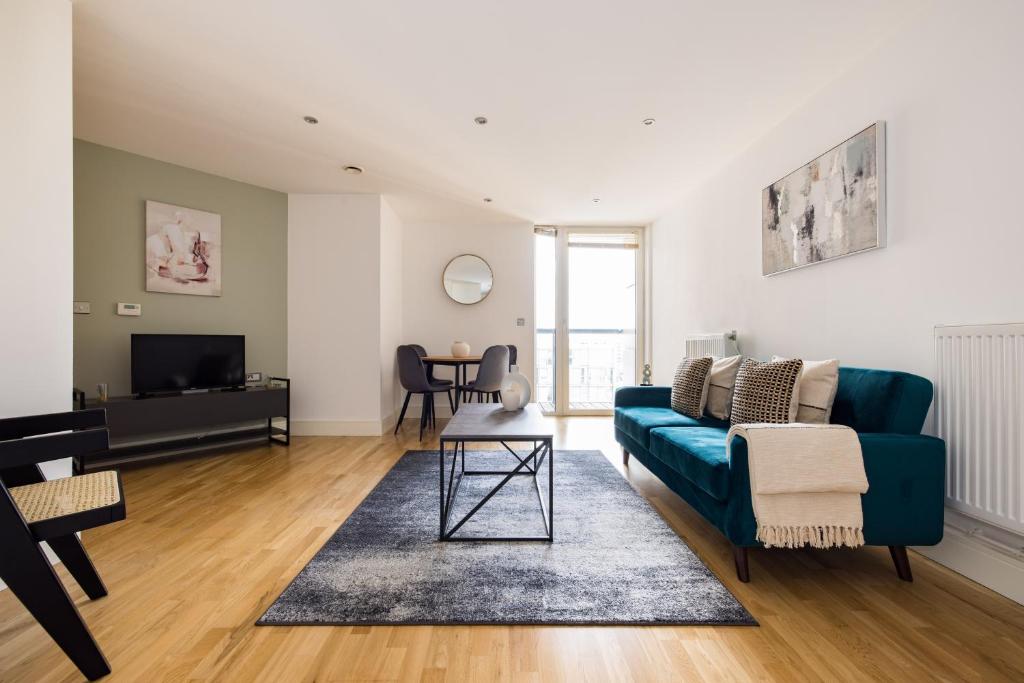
pixel 717 345
pixel 979 411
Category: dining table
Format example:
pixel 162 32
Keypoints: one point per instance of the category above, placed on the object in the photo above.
pixel 460 363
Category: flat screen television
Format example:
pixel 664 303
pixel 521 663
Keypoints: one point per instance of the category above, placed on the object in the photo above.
pixel 181 362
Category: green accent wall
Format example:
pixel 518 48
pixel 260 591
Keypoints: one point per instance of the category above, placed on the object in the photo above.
pixel 110 193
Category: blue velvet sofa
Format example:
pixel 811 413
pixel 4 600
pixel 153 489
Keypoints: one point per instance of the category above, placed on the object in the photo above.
pixel 905 469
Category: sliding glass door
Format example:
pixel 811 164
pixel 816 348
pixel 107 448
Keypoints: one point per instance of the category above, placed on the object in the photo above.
pixel 588 308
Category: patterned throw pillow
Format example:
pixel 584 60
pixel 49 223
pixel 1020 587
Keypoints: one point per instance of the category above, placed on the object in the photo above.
pixel 764 392
pixel 690 386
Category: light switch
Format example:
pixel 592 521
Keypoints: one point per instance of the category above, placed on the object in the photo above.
pixel 520 322
pixel 82 307
pixel 129 309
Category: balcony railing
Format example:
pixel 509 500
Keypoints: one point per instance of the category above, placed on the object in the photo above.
pixel 600 360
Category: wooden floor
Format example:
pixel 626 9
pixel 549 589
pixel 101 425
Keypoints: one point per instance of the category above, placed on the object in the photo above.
pixel 209 543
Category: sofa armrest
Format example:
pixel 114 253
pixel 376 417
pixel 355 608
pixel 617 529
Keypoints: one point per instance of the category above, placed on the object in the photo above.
pixel 650 397
pixel 905 502
pixel 919 454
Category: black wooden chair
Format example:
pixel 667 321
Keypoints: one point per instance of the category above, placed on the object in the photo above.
pixel 33 510
pixel 412 373
pixel 487 383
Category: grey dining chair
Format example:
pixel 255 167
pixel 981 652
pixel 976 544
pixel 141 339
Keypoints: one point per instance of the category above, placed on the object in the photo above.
pixel 493 368
pixel 412 373
pixel 422 352
pixel 513 356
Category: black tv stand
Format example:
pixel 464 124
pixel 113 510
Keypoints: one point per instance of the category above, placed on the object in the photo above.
pixel 158 426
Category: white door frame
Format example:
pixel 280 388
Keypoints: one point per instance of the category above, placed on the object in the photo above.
pixel 561 378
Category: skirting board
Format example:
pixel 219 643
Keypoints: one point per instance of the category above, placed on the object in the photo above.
pixel 341 427
pixel 981 561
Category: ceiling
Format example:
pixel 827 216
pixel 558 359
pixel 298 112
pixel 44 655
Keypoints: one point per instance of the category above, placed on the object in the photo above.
pixel 223 85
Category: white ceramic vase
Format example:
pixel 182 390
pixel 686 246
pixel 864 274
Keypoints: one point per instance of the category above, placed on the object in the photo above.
pixel 515 390
pixel 511 398
pixel 460 349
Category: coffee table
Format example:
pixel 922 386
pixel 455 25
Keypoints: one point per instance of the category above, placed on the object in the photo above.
pixel 482 422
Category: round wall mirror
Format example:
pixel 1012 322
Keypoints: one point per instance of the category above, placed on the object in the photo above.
pixel 467 279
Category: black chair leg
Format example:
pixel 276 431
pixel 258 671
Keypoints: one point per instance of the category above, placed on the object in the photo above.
pixel 433 410
pixel 27 572
pixel 451 402
pixel 70 551
pixel 401 415
pixel 423 416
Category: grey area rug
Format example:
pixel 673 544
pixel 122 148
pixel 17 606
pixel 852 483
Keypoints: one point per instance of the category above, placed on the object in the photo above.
pixel 614 560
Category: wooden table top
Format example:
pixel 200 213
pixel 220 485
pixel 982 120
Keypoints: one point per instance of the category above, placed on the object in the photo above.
pixel 491 422
pixel 451 359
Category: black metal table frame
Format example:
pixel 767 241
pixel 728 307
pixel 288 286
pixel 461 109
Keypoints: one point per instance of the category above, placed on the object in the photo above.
pixel 542 449
pixel 461 367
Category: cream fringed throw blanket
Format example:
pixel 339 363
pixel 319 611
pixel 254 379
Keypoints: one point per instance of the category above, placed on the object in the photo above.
pixel 805 484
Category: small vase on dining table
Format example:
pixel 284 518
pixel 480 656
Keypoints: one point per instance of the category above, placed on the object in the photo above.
pixel 460 349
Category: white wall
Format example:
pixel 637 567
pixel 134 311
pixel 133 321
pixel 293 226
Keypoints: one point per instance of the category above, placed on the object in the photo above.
pixel 334 333
pixel 36 209
pixel 949 89
pixel 391 278
pixel 432 319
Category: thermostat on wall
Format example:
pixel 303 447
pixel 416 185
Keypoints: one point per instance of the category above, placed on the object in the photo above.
pixel 129 309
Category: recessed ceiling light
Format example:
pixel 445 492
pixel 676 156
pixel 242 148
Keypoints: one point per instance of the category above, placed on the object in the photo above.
pixel 488 200
pixel 481 120
pixel 311 120
pixel 597 199
pixel 648 122
pixel 354 170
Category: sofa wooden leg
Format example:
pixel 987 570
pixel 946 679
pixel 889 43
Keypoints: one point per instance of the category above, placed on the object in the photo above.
pixel 902 562
pixel 742 564
pixel 625 457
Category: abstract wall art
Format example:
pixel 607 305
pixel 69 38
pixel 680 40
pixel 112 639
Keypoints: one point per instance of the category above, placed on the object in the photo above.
pixel 832 206
pixel 183 250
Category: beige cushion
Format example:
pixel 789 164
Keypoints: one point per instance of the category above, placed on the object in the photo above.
pixel 764 392
pixel 817 390
pixel 690 386
pixel 720 383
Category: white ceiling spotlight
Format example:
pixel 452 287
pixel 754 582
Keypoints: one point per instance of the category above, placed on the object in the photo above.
pixel 597 200
pixel 480 120
pixel 352 170
pixel 648 122
pixel 311 120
